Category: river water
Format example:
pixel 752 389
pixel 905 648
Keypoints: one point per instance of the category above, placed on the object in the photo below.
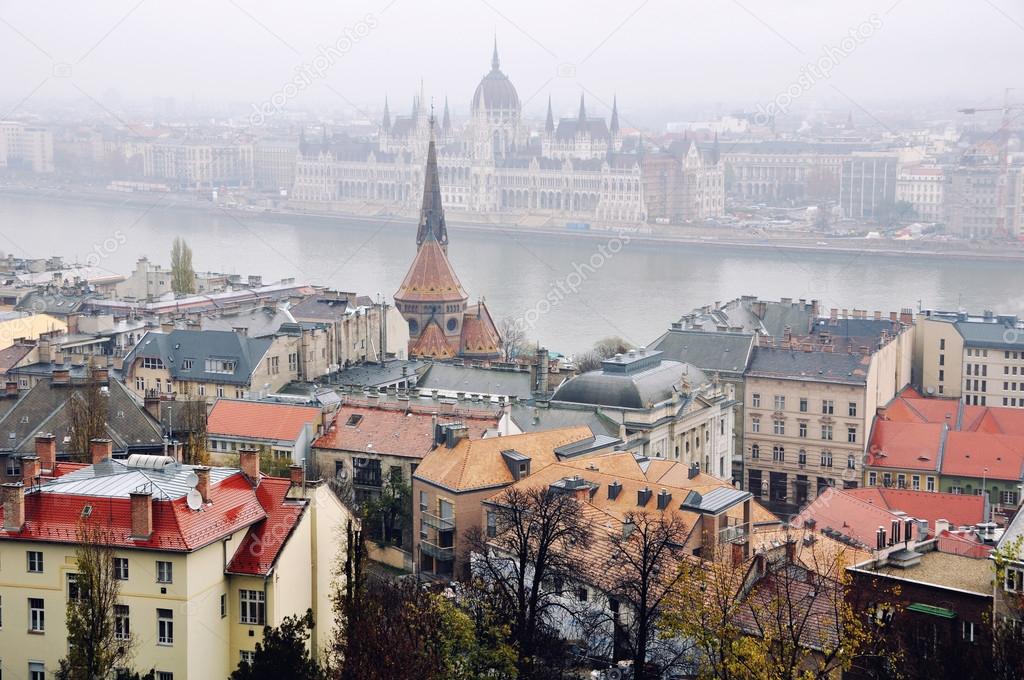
pixel 569 291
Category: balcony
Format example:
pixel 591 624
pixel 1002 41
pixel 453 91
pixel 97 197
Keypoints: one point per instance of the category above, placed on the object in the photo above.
pixel 437 552
pixel 438 522
pixel 737 533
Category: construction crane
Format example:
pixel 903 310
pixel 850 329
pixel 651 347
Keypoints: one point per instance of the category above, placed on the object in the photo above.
pixel 1003 135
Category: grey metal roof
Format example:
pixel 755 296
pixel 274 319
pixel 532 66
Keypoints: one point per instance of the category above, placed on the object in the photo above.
pixel 584 446
pixel 990 334
pixel 259 322
pixel 771 362
pixel 637 390
pixel 373 374
pixel 710 351
pixel 473 380
pixel 716 501
pixel 117 479
pixel 554 416
pixel 178 345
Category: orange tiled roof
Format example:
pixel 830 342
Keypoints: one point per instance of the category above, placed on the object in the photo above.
pixel 906 445
pixel 847 514
pixel 478 464
pixel 479 335
pixel 393 431
pixel 432 343
pixel 430 277
pixel 958 509
pixel 260 420
pixel 969 453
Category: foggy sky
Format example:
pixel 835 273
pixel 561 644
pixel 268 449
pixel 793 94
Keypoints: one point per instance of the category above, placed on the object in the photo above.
pixel 689 58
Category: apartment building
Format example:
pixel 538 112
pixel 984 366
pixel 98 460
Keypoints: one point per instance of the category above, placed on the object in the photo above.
pixel 25 147
pixel 206 557
pixel 976 358
pixel 454 478
pixel 923 187
pixel 809 406
pixel 285 431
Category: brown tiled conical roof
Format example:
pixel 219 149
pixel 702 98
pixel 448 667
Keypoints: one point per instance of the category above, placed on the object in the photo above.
pixel 479 335
pixel 431 277
pixel 432 343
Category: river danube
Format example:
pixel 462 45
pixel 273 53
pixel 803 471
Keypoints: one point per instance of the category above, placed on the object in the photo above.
pixel 569 291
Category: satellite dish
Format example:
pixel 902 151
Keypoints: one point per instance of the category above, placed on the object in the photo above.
pixel 194 499
pixel 191 479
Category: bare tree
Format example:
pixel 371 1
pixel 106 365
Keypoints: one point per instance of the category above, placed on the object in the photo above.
pixel 642 575
pixel 513 338
pixel 526 565
pixel 194 417
pixel 87 417
pixel 98 642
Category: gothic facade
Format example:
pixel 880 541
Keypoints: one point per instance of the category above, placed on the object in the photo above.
pixel 578 168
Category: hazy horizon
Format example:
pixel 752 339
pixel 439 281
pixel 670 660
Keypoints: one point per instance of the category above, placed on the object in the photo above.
pixel 706 60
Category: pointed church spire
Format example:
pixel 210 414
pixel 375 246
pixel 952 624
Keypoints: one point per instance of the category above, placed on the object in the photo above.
pixel 614 127
pixel 715 152
pixel 323 136
pixel 446 122
pixel 495 62
pixel 583 112
pixel 386 119
pixel 432 226
pixel 549 124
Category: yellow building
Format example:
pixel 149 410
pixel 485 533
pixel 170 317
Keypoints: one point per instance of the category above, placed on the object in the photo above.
pixel 28 327
pixel 207 556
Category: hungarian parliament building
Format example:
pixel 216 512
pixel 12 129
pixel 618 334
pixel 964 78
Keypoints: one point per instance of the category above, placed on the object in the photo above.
pixel 577 169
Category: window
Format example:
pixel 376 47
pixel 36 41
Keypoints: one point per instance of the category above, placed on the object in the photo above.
pixel 968 628
pixel 852 409
pixel 202 390
pixel 13 466
pixel 851 435
pixel 140 384
pixel 915 482
pixel 755 451
pixel 755 423
pixel 75 591
pixel 35 561
pixel 223 605
pixel 272 366
pixel 826 432
pixel 220 365
pixel 779 426
pixel 1008 497
pixel 423 501
pixel 901 480
pixel 942 343
pixel 186 364
pixel 872 478
pixel 779 454
pixel 931 484
pixel 755 400
pixel 252 604
pixel 247 656
pixel 492 524
pixel 121 568
pixel 582 594
pixel 121 626
pixel 826 459
pixel 36 671
pixel 36 615
pixel 220 390
pixel 802 457
pixel 164 572
pixel 152 362
pixel 828 407
pixel 851 462
pixel 164 675
pixel 780 402
pixel 1013 579
pixel 293 362
pixel 164 627
pixel 802 430
pixel 803 404
pixel 942 360
pixel 956 489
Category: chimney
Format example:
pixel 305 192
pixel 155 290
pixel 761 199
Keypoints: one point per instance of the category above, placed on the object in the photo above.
pixel 737 553
pixel 11 388
pixel 46 450
pixel 14 506
pixel 543 366
pixel 907 315
pixel 100 375
pixel 941 525
pixel 60 376
pixel 642 496
pixel 893 316
pixel 203 485
pixel 297 473
pixel 142 513
pixel 664 498
pixel 29 469
pixel 880 538
pixel 100 449
pixel 791 551
pixel 249 462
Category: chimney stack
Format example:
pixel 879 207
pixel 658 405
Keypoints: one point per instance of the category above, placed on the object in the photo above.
pixel 29 469
pixel 46 450
pixel 151 402
pixel 11 388
pixel 297 473
pixel 61 376
pixel 941 525
pixel 14 506
pixel 249 462
pixel 203 485
pixel 142 513
pixel 100 449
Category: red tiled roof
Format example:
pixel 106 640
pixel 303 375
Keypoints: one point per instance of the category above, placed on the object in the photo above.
pixel 260 420
pixel 958 509
pixel 258 551
pixel 54 517
pixel 965 545
pixel 394 431
pixel 432 343
pixel 479 336
pixel 847 514
pixel 905 445
pixel 968 454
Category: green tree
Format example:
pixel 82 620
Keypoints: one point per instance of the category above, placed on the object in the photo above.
pixel 389 515
pixel 183 277
pixel 283 653
pixel 96 646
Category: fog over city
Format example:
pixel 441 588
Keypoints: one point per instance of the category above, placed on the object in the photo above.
pixel 663 59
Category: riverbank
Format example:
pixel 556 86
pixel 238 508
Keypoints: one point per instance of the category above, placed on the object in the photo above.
pixel 673 236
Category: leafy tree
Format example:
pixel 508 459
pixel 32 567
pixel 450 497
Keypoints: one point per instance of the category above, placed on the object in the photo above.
pixel 283 653
pixel 95 647
pixel 389 515
pixel 524 569
pixel 1008 644
pixel 183 277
